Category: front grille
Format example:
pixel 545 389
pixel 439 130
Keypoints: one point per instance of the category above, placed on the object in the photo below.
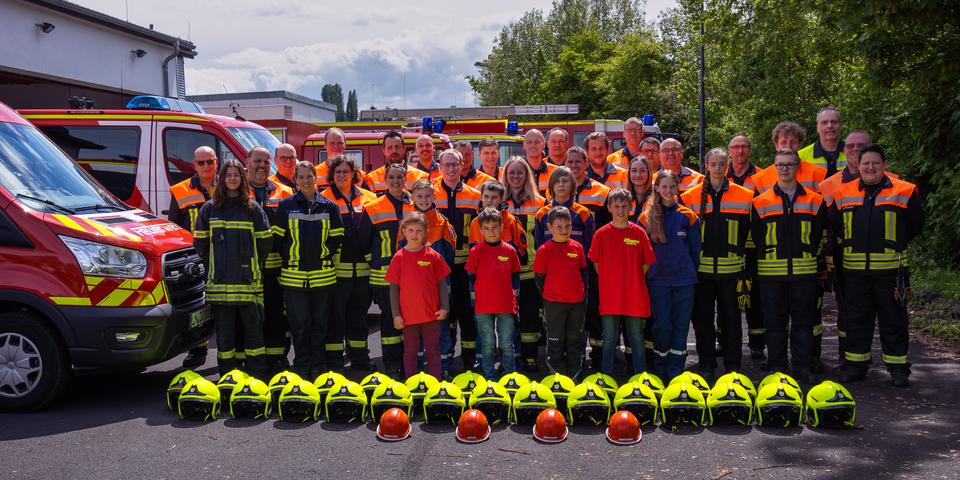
pixel 184 291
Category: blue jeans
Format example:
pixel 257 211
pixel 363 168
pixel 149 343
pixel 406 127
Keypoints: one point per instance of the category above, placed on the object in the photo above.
pixel 490 326
pixel 634 327
pixel 671 308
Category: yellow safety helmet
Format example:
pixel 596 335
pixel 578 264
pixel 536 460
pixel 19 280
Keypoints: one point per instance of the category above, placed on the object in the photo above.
pixel 739 379
pixel 588 404
pixel 419 385
pixel 443 403
pixel 176 386
pixel 682 404
pixel 779 405
pixel 694 379
pixel 513 381
pixel 638 399
pixel 561 386
pixel 389 395
pixel 730 403
pixel 493 400
pixel 199 400
pixel 606 382
pixel 250 399
pixel 299 402
pixel 345 402
pixel 530 400
pixel 467 381
pixel 650 380
pixel 830 405
pixel 276 385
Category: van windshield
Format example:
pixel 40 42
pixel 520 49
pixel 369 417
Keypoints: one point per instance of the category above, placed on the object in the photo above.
pixel 36 171
pixel 255 137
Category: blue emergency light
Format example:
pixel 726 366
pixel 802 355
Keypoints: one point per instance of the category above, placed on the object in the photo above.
pixel 438 125
pixel 513 127
pixel 648 120
pixel 427 124
pixel 148 102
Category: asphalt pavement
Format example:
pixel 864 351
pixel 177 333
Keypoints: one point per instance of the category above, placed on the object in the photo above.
pixel 118 427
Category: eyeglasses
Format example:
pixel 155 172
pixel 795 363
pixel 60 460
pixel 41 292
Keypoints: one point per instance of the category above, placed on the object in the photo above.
pixel 201 163
pixel 671 150
pixel 785 166
pixel 286 158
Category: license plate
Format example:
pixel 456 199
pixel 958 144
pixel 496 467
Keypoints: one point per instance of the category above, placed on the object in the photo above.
pixel 200 317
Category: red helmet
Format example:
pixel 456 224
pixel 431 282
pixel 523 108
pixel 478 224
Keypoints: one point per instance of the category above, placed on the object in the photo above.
pixel 623 428
pixel 551 427
pixel 473 427
pixel 394 425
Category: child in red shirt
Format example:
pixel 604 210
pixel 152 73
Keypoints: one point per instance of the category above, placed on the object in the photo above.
pixel 492 195
pixel 418 295
pixel 494 270
pixel 560 272
pixel 621 253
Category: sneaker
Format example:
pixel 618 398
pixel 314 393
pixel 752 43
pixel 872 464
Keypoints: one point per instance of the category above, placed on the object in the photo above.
pixel 195 359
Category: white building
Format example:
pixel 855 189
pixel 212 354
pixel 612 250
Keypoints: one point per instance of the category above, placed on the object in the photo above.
pixel 272 105
pixel 52 50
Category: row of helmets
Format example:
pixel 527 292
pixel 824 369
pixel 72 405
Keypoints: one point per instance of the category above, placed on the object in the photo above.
pixel 686 400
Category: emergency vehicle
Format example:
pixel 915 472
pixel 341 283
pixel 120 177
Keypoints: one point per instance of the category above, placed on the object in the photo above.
pixel 509 146
pixel 88 283
pixel 138 153
pixel 366 148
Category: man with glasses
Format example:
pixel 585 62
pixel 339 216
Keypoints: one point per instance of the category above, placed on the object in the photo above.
pixel 285 157
pixel 186 198
pixel 633 134
pixel 788 225
pixel 671 158
pixel 558 141
pixel 827 151
pixel 650 149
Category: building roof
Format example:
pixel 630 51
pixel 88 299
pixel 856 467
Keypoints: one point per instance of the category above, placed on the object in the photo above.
pixel 187 49
pixel 260 95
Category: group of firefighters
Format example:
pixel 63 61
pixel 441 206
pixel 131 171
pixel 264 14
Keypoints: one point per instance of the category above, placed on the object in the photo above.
pixel 299 256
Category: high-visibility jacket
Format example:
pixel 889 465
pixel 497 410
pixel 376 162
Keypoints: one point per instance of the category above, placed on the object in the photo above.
pixel 459 205
pixel 583 225
pixel 788 233
pixel 808 175
pixel 875 225
pixel 440 235
pixel 475 178
pixel 512 233
pixel 526 214
pixel 383 217
pixel 638 203
pixel 830 186
pixel 593 195
pixel 309 237
pixel 289 183
pixel 323 170
pixel 233 241
pixel 352 260
pixel 432 172
pixel 270 199
pixel 745 181
pixel 186 198
pixel 723 230
pixel 613 176
pixel 494 174
pixel 622 157
pixel 376 182
pixel 542 175
pixel 816 155
pixel 687 178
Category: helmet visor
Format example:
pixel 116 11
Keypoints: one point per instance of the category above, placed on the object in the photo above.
pixel 589 415
pixel 344 412
pixel 527 415
pixel 249 408
pixel 683 415
pixel 198 410
pixel 496 413
pixel 442 413
pixel 298 410
pixel 731 415
pixel 646 413
pixel 782 416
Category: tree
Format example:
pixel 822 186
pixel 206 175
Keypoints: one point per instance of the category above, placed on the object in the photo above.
pixel 332 93
pixel 352 113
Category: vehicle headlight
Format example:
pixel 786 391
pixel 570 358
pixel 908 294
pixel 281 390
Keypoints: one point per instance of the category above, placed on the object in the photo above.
pixel 106 260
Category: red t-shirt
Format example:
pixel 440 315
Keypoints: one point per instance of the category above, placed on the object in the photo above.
pixel 417 274
pixel 561 263
pixel 494 267
pixel 620 254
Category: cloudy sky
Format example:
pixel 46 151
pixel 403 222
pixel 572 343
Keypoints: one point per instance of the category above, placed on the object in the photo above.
pixel 414 56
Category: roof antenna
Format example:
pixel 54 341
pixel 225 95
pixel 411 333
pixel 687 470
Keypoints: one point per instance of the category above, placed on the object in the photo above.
pixel 233 105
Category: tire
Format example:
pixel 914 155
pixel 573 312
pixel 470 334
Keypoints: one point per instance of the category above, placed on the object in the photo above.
pixel 34 367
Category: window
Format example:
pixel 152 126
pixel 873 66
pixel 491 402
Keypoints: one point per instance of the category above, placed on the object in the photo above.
pixel 110 154
pixel 355 155
pixel 178 148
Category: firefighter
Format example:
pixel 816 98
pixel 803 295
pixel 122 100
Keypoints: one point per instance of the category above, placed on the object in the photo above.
pixel 232 236
pixel 671 158
pixel 787 228
pixel 827 151
pixel 558 141
pixel 425 162
pixel 186 198
pixel 724 211
pixel 393 153
pixel 592 195
pixel 352 293
pixel 382 218
pixel 335 144
pixel 650 149
pixel 276 331
pixel 633 135
pixel 524 201
pixel 285 157
pixel 489 157
pixel 741 172
pixel 468 174
pixel 533 143
pixel 310 232
pixel 601 169
pixel 459 203
pixel 875 219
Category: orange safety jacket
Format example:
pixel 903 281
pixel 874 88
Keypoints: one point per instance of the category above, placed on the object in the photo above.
pixel 788 233
pixel 352 260
pixel 723 231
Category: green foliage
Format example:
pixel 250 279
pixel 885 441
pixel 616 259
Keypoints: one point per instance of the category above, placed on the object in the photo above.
pixel 352 113
pixel 333 93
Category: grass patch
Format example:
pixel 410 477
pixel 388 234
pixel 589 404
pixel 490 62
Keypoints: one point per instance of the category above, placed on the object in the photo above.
pixel 935 307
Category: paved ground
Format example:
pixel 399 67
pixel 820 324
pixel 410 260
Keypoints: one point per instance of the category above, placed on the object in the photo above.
pixel 118 427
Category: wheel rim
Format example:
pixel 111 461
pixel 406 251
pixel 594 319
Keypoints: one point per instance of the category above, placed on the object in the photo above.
pixel 20 365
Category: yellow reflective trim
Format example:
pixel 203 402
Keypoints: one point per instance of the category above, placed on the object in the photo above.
pixel 857 357
pixel 847 225
pixel 385 244
pixel 391 340
pixel 83 301
pixel 68 222
pixel 357 343
pixel 92 281
pixel 771 238
pixel 733 232
pixel 254 352
pixel 100 228
pixel 464 344
pixel 227 354
pixel 334 347
pixel 818 330
pixel 115 298
pixel 805 231
pixel 275 350
pixel 87 117
pixel 890 226
pixel 182 118
pixel 894 359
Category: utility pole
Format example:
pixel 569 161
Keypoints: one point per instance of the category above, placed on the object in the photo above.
pixel 703 68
